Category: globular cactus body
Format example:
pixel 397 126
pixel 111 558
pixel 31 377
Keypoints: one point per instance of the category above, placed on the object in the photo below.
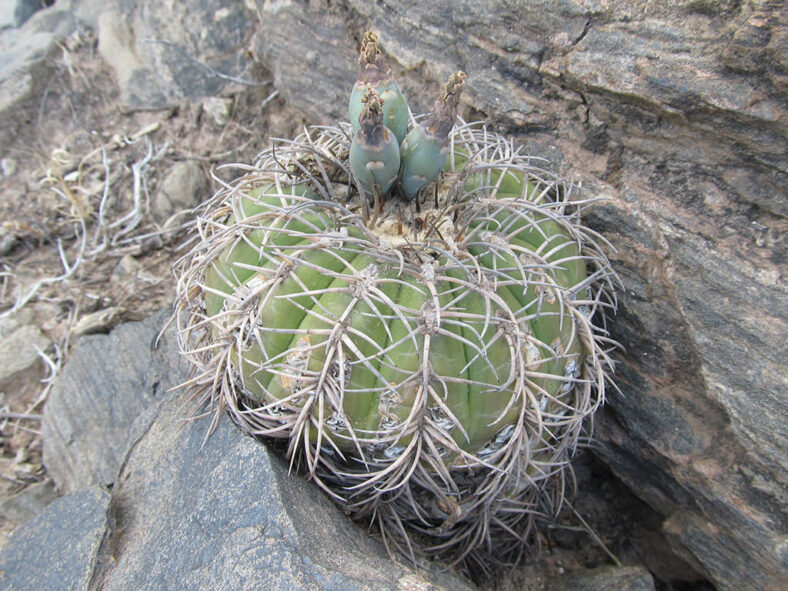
pixel 431 366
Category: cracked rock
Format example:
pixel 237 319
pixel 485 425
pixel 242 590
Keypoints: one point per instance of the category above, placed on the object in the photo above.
pixel 58 549
pixel 109 381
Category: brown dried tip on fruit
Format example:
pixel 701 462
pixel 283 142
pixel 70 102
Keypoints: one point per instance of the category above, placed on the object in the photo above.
pixel 372 117
pixel 372 70
pixel 444 111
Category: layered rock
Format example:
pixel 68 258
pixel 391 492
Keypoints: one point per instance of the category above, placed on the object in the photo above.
pixel 674 112
pixel 164 53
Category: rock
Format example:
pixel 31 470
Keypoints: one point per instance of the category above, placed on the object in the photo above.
pixel 8 167
pixel 24 51
pixel 100 321
pixel 674 113
pixel 8 241
pixel 109 381
pixel 9 323
pixel 58 549
pixel 182 189
pixel 14 13
pixel 163 53
pixel 223 513
pixel 605 578
pixel 126 270
pixel 7 9
pixel 326 50
pixel 129 270
pixel 26 67
pixel 218 108
pixel 28 503
pixel 19 354
pixel 23 70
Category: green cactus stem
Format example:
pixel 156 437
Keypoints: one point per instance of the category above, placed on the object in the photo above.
pixel 425 148
pixel 374 151
pixel 373 73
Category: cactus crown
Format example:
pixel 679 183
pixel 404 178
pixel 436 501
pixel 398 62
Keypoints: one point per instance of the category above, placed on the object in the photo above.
pixel 430 361
pixel 421 155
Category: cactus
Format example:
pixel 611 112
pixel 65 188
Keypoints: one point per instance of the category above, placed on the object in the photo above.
pixel 427 339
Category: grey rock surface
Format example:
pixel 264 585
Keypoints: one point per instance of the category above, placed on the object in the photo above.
pixel 675 112
pixel 108 383
pixel 223 513
pixel 25 64
pixel 59 548
pixel 606 578
pixel 28 503
pixel 162 52
pixel 14 13
pixel 23 70
pixel 165 52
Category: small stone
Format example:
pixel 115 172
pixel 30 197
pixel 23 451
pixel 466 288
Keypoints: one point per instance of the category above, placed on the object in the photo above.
pixel 101 321
pixel 13 321
pixel 8 166
pixel 182 189
pixel 126 270
pixel 218 108
pixel 19 353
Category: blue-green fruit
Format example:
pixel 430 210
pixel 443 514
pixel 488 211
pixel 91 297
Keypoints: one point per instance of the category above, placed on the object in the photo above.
pixel 374 151
pixel 425 148
pixel 373 74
